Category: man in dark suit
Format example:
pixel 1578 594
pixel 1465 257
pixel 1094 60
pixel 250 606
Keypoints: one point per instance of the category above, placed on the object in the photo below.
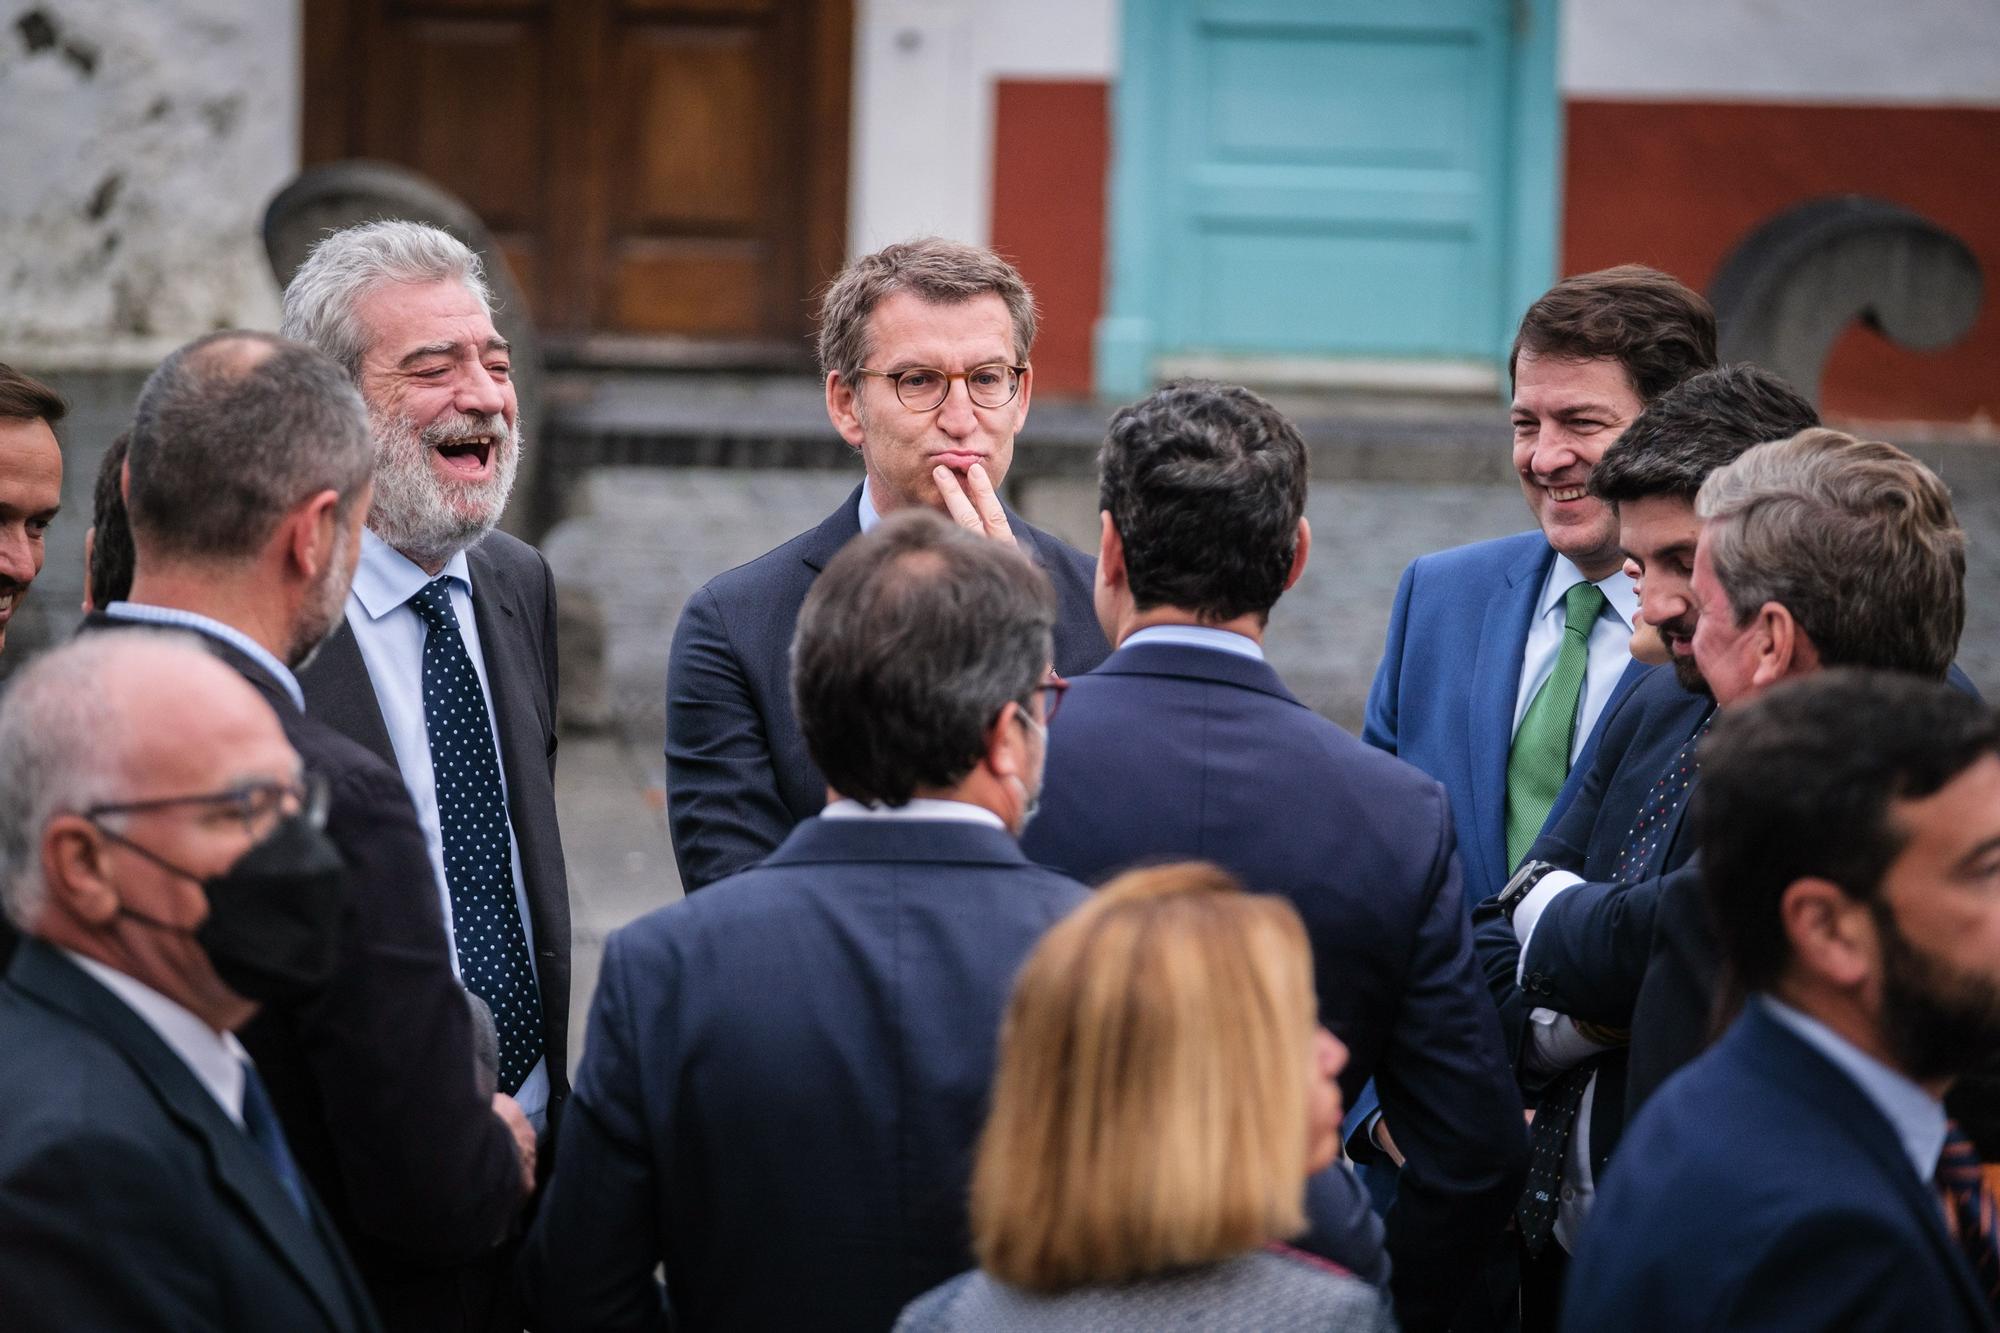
pixel 924 346
pixel 1802 1174
pixel 446 664
pixel 1186 744
pixel 1624 819
pixel 1790 521
pixel 786 1073
pixel 158 852
pixel 249 477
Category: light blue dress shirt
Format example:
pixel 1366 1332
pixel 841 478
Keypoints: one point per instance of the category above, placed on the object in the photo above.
pixel 173 618
pixel 1198 636
pixel 391 638
pixel 1610 645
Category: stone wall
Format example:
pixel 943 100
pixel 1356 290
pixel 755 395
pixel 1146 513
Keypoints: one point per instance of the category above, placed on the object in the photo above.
pixel 142 142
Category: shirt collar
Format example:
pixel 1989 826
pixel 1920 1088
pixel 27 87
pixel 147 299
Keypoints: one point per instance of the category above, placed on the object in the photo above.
pixel 919 807
pixel 386 578
pixel 1917 1117
pixel 1564 575
pixel 866 511
pixel 216 1058
pixel 1198 636
pixel 173 617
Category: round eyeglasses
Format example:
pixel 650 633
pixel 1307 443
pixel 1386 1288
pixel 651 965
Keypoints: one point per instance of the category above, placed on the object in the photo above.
pixel 924 388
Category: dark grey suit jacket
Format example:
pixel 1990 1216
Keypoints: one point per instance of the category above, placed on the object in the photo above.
pixel 514 608
pixel 128 1198
pixel 738 773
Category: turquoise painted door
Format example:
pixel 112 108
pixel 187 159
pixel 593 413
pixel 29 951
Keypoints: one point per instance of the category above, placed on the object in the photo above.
pixel 1318 178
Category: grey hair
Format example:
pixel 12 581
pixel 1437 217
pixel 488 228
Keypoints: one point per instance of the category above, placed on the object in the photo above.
pixel 1855 538
pixel 350 263
pixel 62 749
pixel 233 430
pixel 936 270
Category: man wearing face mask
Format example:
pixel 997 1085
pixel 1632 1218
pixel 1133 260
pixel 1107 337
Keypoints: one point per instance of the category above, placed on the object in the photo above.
pixel 166 879
pixel 785 1073
pixel 247 482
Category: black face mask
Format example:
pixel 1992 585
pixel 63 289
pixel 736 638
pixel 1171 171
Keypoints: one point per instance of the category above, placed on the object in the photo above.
pixel 273 926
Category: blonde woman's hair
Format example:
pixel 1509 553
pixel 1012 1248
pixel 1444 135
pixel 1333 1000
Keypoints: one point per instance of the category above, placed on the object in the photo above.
pixel 1150 1106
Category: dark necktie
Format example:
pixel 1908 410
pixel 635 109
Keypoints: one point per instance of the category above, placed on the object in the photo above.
pixel 1640 855
pixel 260 1122
pixel 1969 1210
pixel 1548 1148
pixel 1538 761
pixel 478 852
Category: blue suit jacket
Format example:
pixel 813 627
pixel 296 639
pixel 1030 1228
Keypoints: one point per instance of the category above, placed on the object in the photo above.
pixel 1761 1189
pixel 783 1083
pixel 1443 697
pixel 1170 752
pixel 738 772
pixel 128 1198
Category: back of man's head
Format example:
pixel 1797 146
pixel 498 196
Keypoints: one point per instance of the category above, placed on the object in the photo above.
pixel 232 431
pixel 1660 330
pixel 1798 784
pixel 1701 424
pixel 908 646
pixel 1854 538
pixel 1205 484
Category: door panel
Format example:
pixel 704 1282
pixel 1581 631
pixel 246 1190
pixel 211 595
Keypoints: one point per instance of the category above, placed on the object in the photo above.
pixel 650 167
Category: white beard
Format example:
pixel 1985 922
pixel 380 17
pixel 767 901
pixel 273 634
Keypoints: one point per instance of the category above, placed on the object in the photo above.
pixel 420 514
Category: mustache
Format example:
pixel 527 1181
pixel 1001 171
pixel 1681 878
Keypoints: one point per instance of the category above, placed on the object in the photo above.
pixel 466 426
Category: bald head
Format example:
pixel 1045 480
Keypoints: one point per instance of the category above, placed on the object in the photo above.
pixel 118 716
pixel 232 432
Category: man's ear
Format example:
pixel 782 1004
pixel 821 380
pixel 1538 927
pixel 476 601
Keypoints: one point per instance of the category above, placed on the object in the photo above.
pixel 843 407
pixel 1110 552
pixel 1300 552
pixel 74 871
pixel 311 531
pixel 1006 744
pixel 1832 936
pixel 1783 650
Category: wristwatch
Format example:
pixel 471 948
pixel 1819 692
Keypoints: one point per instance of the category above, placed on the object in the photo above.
pixel 1525 879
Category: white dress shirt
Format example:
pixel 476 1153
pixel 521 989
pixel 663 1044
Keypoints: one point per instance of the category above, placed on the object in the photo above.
pixel 215 1058
pixel 917 807
pixel 390 636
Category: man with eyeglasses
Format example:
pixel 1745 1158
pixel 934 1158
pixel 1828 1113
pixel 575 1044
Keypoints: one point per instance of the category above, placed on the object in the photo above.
pixel 924 346
pixel 247 481
pixel 784 1077
pixel 160 851
pixel 1186 744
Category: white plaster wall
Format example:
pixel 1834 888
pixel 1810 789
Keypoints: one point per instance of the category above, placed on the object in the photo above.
pixel 1867 51
pixel 923 103
pixel 142 142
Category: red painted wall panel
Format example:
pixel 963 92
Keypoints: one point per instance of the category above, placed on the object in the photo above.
pixel 1051 152
pixel 1677 185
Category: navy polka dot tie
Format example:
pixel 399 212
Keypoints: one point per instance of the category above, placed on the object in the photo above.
pixel 478 854
pixel 1640 855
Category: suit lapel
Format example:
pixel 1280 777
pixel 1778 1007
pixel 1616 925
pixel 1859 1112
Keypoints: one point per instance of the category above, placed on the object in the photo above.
pixel 340 693
pixel 240 1171
pixel 840 527
pixel 1496 677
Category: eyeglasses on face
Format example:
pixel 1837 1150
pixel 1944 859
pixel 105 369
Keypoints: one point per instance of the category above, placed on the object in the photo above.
pixel 923 388
pixel 1052 690
pixel 257 804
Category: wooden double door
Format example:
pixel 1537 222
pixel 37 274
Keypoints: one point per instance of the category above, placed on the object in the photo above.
pixel 651 168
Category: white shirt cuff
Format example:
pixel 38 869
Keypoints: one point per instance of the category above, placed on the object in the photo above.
pixel 1554 1044
pixel 1553 884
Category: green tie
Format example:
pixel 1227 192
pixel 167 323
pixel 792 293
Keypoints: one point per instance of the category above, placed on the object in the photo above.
pixel 1539 762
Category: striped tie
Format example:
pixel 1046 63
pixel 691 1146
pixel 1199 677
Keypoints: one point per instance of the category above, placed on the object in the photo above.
pixel 1969 1210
